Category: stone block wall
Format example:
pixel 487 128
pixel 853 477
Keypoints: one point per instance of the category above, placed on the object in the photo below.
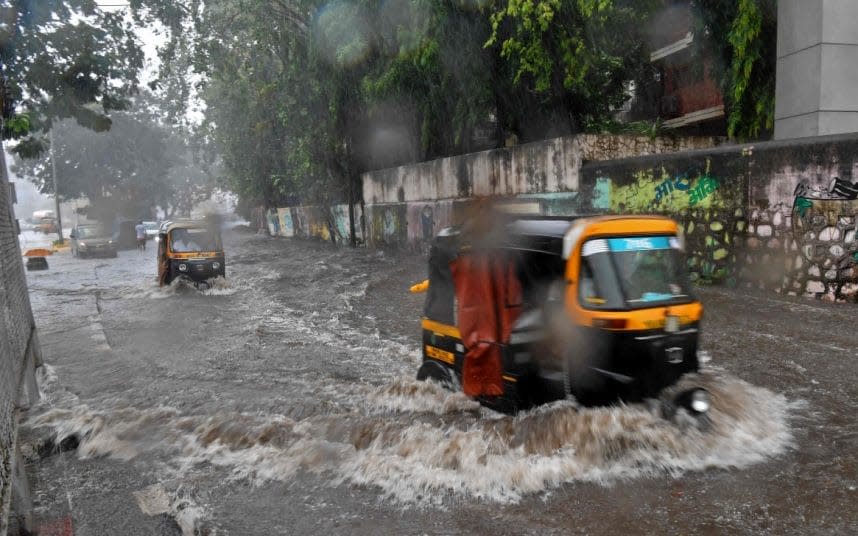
pixel 18 356
pixel 764 215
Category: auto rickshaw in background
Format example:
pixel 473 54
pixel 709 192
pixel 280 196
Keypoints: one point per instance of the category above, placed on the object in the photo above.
pixel 191 250
pixel 536 309
pixel 36 259
pixel 47 225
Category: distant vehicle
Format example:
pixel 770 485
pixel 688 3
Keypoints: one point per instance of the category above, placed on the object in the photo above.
pixel 37 263
pixel 47 225
pixel 190 250
pixel 90 241
pixel 39 214
pixel 36 258
pixel 540 309
pixel 125 234
pixel 151 229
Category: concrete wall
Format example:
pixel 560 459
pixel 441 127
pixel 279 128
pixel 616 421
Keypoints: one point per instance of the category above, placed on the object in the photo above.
pixel 817 68
pixel 761 215
pixel 318 222
pixel 405 206
pixel 550 166
pixel 18 358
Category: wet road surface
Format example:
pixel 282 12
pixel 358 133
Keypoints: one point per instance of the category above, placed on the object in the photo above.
pixel 282 402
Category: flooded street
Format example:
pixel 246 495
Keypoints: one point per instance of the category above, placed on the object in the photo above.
pixel 282 401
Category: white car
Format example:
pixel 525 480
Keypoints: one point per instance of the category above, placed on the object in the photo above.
pixel 151 229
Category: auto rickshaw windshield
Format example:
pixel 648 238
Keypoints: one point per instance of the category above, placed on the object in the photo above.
pixel 194 240
pixel 633 272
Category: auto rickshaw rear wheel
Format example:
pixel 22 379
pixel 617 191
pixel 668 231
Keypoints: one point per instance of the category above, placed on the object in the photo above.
pixel 432 370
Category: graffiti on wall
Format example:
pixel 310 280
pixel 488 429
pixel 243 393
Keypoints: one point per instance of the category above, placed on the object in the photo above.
pixel 711 222
pixel 341 225
pixel 387 225
pixel 285 217
pixel 823 259
pixel 602 194
pixel 298 222
pixel 315 222
pixel 657 190
pixel 425 220
pixel 706 186
pixel 273 221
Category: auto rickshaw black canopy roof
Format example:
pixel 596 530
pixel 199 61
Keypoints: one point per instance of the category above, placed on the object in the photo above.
pixel 168 226
pixel 527 234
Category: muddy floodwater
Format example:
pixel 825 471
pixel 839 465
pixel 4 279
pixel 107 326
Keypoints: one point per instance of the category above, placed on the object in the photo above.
pixel 282 401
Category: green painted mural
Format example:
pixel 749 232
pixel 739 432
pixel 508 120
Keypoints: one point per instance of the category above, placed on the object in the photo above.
pixel 704 203
pixel 658 190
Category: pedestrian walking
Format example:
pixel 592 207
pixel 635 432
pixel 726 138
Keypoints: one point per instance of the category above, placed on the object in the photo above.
pixel 141 236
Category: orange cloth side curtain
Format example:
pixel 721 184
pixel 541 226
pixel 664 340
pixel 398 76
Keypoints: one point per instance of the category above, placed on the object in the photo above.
pixel 489 300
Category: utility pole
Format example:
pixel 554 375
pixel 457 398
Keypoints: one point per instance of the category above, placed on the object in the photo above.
pixel 56 191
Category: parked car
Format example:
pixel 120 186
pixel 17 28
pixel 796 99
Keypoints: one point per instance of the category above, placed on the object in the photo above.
pixel 90 241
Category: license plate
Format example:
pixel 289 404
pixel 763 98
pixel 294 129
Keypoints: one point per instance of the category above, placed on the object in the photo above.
pixel 671 324
pixel 674 355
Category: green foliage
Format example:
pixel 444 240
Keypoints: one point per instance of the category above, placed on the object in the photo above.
pixel 301 96
pixel 743 35
pixel 63 59
pixel 580 52
pixel 752 95
pixel 17 125
pixel 137 166
pixel 650 129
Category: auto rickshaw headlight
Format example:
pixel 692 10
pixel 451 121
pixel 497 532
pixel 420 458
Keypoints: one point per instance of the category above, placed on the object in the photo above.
pixel 700 401
pixel 215 266
pixel 183 267
pixel 696 401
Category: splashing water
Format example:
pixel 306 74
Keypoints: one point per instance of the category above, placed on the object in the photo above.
pixel 418 443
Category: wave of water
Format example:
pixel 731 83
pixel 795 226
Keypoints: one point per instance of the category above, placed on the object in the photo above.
pixel 417 443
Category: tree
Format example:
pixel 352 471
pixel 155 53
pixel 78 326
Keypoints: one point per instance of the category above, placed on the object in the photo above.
pixel 119 172
pixel 301 96
pixel 575 56
pixel 63 59
pixel 136 167
pixel 743 35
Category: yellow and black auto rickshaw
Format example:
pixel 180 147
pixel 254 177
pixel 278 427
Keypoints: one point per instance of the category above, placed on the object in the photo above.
pixel 191 250
pixel 538 309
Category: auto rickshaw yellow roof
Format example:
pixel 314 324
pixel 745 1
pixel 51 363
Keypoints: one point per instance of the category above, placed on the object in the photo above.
pixel 616 225
pixel 633 224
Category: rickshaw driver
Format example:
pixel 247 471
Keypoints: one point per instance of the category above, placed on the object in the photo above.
pixel 644 277
pixel 183 243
